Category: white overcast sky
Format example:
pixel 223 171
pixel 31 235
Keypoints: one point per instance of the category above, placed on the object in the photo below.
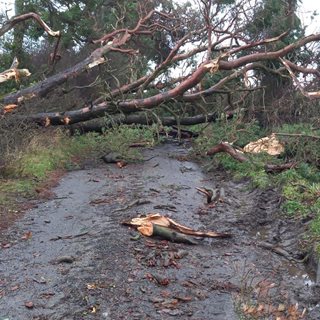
pixel 305 11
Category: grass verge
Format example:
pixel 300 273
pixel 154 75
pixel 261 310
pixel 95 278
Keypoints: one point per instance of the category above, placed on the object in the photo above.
pixel 300 186
pixel 26 171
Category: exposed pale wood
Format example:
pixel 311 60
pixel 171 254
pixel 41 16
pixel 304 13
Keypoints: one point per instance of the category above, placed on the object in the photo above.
pixel 16 74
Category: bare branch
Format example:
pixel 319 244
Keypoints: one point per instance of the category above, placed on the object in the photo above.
pixel 310 95
pixel 10 24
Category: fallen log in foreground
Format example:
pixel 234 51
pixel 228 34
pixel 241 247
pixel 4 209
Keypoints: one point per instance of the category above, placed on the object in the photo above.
pixel 169 234
pixel 157 225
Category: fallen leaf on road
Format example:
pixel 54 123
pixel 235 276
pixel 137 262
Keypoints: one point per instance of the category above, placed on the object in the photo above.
pixel 65 259
pixel 99 201
pixel 29 304
pixel 183 298
pixel 170 312
pixel 47 295
pixel 14 288
pixel 27 235
pixel 93 309
pixel 91 286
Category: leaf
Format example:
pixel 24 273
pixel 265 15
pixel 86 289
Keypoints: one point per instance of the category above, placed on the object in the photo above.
pixel 9 108
pixel 91 286
pixel 121 164
pixel 14 288
pixel 27 235
pixel 93 309
pixel 29 304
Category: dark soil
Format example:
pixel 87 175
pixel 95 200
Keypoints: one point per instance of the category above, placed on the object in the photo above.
pixel 70 258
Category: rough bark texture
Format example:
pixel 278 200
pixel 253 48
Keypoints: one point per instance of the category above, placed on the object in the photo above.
pixel 99 125
pixel 276 168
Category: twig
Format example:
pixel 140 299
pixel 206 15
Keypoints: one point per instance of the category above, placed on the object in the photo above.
pixel 275 168
pixel 278 250
pixel 302 135
pixel 137 202
pixel 69 236
pixel 168 207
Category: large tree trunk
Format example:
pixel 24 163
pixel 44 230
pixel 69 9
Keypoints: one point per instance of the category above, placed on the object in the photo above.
pixel 42 88
pixel 98 125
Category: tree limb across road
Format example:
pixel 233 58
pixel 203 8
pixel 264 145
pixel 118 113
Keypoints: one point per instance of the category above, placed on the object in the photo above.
pixel 219 63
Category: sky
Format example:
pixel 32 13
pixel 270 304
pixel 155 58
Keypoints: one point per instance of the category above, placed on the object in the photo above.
pixel 305 11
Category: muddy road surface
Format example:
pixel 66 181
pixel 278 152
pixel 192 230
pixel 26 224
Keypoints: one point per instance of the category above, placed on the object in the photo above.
pixel 70 257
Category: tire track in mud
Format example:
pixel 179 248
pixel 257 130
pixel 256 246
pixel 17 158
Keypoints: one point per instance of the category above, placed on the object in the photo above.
pixel 110 276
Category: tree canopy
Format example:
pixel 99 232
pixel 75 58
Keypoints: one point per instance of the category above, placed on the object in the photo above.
pixel 211 56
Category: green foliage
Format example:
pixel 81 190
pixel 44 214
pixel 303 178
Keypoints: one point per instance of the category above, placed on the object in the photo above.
pixel 300 186
pixel 309 172
pixel 315 224
pixel 234 131
pixel 301 146
pixel 40 156
pixel 119 139
pixel 22 186
pixel 252 170
pixel 28 168
pixel 271 18
pixel 240 133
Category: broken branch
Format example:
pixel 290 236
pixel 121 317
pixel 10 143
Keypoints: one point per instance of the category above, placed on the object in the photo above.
pixel 8 25
pixel 226 147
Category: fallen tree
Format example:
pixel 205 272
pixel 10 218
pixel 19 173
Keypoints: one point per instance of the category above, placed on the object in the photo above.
pixel 227 54
pixel 143 118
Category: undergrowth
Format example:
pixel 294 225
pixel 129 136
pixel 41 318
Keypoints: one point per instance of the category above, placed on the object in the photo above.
pixel 300 186
pixel 28 167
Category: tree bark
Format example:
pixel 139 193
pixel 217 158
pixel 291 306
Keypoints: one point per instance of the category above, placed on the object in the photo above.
pixel 226 147
pixel 277 168
pixel 172 235
pixel 96 58
pixel 99 125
